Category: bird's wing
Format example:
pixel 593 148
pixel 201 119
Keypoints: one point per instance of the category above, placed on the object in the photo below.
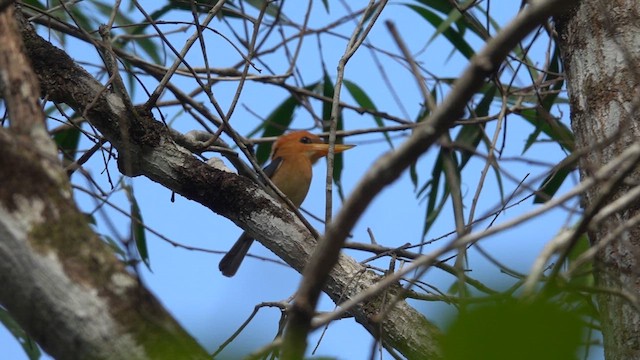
pixel 273 166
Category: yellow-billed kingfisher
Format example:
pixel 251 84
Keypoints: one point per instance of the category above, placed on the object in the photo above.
pixel 292 157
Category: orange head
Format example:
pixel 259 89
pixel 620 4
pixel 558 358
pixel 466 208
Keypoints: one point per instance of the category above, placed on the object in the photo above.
pixel 303 143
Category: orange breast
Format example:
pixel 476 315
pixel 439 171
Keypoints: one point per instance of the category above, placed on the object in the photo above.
pixel 293 178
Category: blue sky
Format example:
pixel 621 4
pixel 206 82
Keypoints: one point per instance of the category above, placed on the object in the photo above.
pixel 211 306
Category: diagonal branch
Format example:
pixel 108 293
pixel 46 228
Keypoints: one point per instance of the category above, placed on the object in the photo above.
pixel 148 150
pixel 60 282
pixel 390 166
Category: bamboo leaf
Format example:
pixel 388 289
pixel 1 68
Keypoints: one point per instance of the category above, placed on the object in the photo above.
pixel 580 247
pixel 544 123
pixel 443 6
pixel 452 17
pixel 272 8
pixel 551 184
pixel 29 346
pixel 434 206
pixel 338 160
pixel 454 37
pixel 413 175
pixel 137 227
pixel 516 327
pixel 67 141
pixel 278 122
pixel 275 125
pixel 364 101
pixel 326 5
pixel 470 135
pixel 146 44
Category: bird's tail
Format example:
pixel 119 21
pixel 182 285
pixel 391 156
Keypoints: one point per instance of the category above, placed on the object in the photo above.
pixel 232 260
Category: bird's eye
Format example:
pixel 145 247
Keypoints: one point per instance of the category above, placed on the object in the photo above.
pixel 305 140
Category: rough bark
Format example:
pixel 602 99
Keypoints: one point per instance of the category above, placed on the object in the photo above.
pixel 146 147
pixel 601 49
pixel 59 281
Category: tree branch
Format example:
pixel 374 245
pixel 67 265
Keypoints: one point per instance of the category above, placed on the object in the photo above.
pixel 60 282
pixel 149 150
pixel 390 166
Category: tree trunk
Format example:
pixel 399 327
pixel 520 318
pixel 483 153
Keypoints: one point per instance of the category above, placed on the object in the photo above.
pixel 601 49
pixel 60 282
pixel 146 147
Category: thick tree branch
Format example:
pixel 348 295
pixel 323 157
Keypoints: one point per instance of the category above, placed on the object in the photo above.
pixel 146 148
pixel 60 282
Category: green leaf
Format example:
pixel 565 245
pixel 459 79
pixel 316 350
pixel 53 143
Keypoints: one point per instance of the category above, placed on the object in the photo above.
pixel 137 227
pixel 67 141
pixel 532 138
pixel 327 91
pixel 546 124
pixel 579 248
pixel 413 174
pixel 272 9
pixel 35 4
pixel 364 101
pixel 157 14
pixel 147 45
pixel 90 218
pixel 519 330
pixel 114 245
pixel 434 207
pixel 454 37
pixel 433 211
pixel 413 171
pixel 29 346
pixel 443 6
pixel 552 183
pixel 432 186
pixel 469 137
pixel 278 122
pixel 338 160
pixel 326 5
pixel 471 134
pixel 584 278
pixel 81 19
pixel 544 120
pixel 453 16
pixel 489 91
pixel 275 125
pixel 468 20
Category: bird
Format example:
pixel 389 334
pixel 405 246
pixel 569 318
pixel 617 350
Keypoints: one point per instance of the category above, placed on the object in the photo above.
pixel 290 170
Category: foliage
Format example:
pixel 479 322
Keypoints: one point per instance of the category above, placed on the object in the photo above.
pixel 542 330
pixel 263 67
